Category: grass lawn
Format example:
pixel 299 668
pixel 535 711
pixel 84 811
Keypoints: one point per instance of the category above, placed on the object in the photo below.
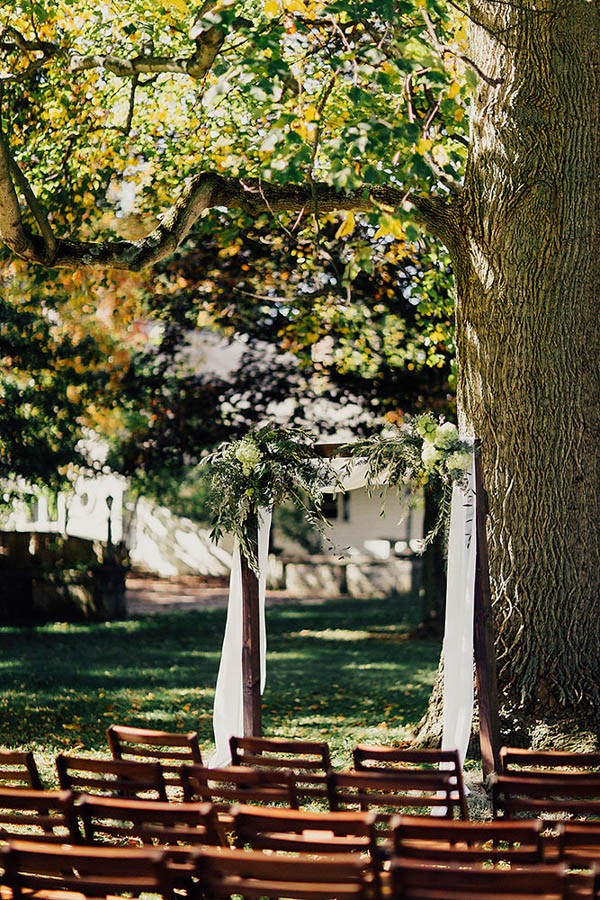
pixel 344 670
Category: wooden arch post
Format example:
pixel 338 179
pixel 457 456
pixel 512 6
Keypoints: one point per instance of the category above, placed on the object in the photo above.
pixel 484 651
pixel 251 661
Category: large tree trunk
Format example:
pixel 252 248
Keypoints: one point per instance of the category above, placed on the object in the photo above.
pixel 526 259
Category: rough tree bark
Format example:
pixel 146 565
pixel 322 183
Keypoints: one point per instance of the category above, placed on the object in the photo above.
pixel 525 250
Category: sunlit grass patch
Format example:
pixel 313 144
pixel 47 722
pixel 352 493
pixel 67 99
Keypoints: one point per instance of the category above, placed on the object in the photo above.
pixel 345 671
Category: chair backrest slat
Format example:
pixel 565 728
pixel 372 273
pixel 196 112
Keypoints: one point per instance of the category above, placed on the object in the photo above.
pixel 308 760
pixel 32 815
pixel 105 819
pixel 238 784
pixel 295 831
pixel 538 762
pixel 169 748
pixel 18 768
pixel 254 874
pixel 502 841
pixel 579 843
pixel 548 796
pixel 418 881
pixel 391 793
pixel 110 777
pixel 378 758
pixel 92 871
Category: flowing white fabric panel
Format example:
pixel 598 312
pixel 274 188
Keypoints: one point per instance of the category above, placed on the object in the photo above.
pixel 228 712
pixel 351 477
pixel 458 633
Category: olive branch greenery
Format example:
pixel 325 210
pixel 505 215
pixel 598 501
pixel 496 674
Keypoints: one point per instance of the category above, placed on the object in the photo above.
pixel 274 463
pixel 422 451
pixel 267 466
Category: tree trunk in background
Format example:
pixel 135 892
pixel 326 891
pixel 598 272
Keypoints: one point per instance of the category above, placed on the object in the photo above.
pixel 526 257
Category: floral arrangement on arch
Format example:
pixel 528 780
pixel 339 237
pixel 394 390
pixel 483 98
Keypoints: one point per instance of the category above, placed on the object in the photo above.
pixel 421 451
pixel 269 465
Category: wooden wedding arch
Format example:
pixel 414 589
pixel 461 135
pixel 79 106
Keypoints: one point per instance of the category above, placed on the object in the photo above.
pixel 483 632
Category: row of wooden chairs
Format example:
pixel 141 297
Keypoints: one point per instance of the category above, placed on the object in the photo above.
pixel 219 872
pixel 384 794
pixel 268 771
pixel 309 760
pixel 60 816
pixel 530 783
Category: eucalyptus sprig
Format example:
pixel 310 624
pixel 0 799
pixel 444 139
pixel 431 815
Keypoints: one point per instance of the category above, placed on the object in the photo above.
pixel 267 466
pixel 422 451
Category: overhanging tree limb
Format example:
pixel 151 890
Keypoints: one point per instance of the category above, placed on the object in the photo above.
pixel 208 43
pixel 205 191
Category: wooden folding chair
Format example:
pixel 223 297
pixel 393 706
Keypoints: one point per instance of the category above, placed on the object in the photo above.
pixel 253 874
pixel 515 761
pixel 237 784
pixel 175 827
pixel 169 748
pixel 389 794
pixel 425 838
pixel 110 777
pixel 308 760
pixel 579 843
pixel 415 880
pixel 18 769
pixel 548 796
pixel 30 815
pixel 294 831
pixel 49 870
pixel 376 758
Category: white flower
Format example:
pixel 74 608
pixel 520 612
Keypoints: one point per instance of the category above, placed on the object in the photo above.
pixel 460 460
pixel 430 455
pixel 249 455
pixel 446 435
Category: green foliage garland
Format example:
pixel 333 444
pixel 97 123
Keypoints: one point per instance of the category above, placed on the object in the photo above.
pixel 269 465
pixel 421 452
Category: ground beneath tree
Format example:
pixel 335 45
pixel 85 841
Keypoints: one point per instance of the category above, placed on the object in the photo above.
pixel 149 595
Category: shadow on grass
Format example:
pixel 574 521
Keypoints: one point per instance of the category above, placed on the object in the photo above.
pixel 345 669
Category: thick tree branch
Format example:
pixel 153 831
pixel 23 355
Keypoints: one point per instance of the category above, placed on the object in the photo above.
pixel 205 191
pixel 39 213
pixel 196 66
pixel 12 230
pixel 208 42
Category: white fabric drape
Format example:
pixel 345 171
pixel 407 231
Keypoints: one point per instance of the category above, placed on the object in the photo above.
pixel 457 649
pixel 228 713
pixel 458 633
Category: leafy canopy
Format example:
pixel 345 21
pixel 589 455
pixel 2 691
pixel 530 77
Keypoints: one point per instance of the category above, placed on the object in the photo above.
pixel 111 110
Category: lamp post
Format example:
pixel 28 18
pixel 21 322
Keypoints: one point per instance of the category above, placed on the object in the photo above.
pixel 109 503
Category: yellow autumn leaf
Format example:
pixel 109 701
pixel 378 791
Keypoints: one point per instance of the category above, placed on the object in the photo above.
pixel 459 114
pixel 294 6
pixel 390 225
pixel 424 145
pixel 306 130
pixel 180 5
pixel 271 8
pixel 311 113
pixel 454 89
pixel 348 225
pixel 460 35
